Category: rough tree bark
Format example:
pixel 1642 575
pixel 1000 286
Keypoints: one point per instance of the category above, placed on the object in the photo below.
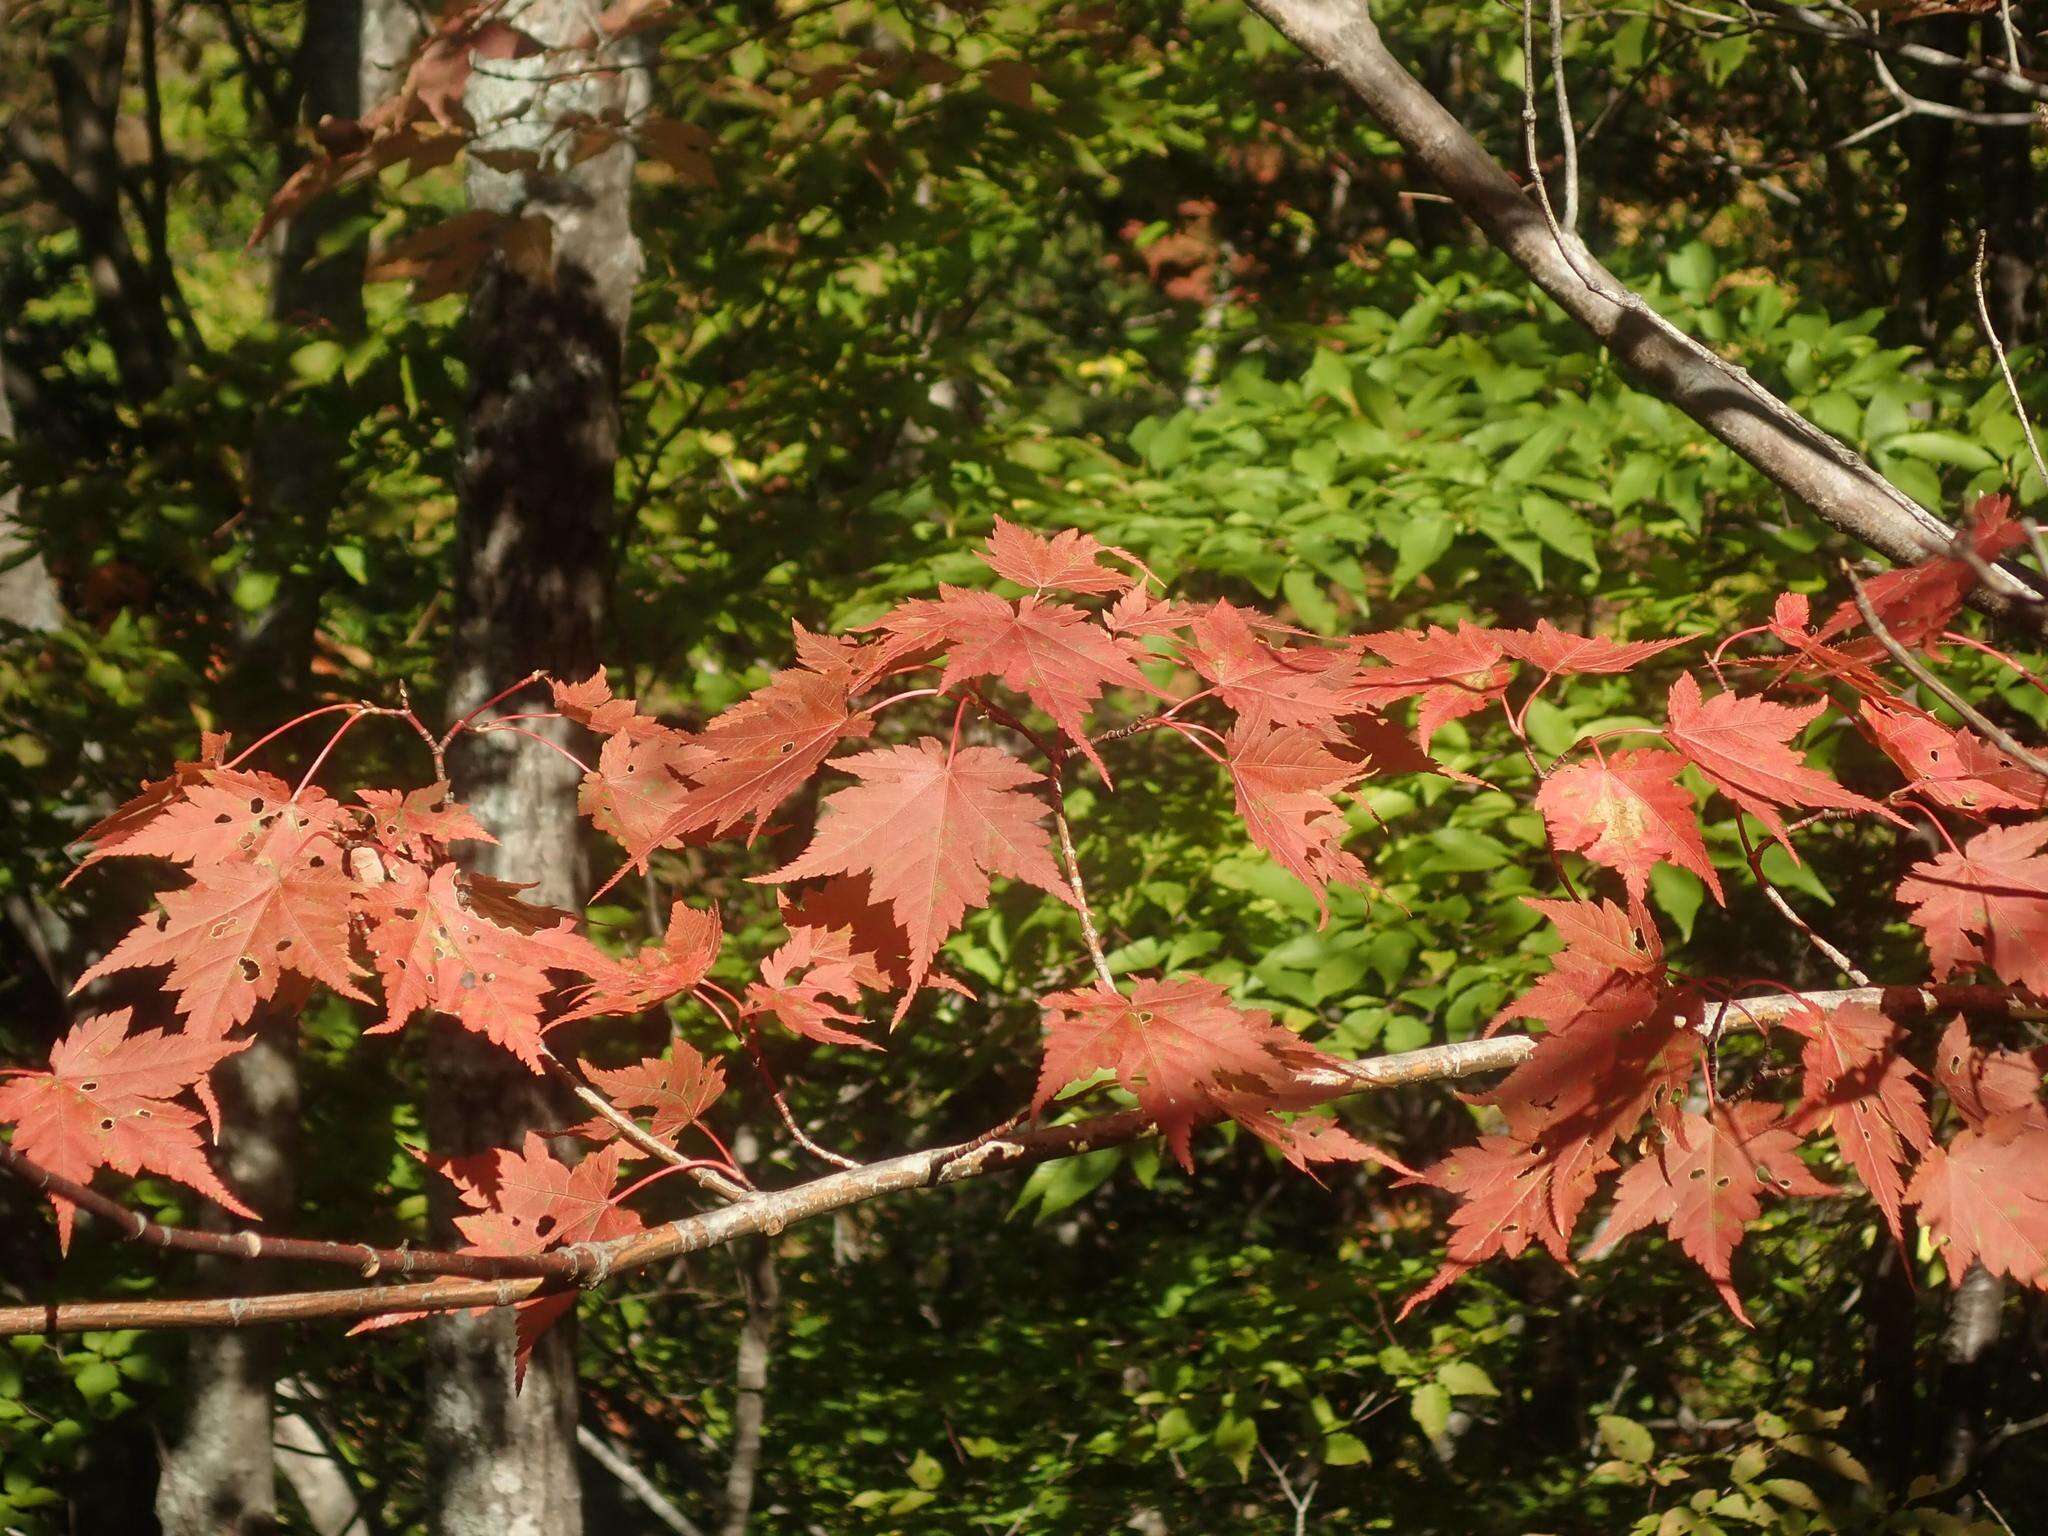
pixel 761 1290
pixel 1804 461
pixel 532 581
pixel 219 1466
pixel 1975 1313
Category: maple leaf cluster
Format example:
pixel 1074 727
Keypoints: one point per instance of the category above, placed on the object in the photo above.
pixel 941 738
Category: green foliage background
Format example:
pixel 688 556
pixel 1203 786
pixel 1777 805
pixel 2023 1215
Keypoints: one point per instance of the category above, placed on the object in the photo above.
pixel 1181 300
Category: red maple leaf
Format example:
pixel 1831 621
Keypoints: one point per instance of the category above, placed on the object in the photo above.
pixel 1285 777
pixel 1630 813
pixel 1985 1198
pixel 1179 1046
pixel 676 1091
pixel 1138 612
pixel 126 819
pixel 411 822
pixel 1854 664
pixel 1703 1183
pixel 229 816
pixel 1510 1195
pixel 1262 684
pixel 1557 652
pixel 1743 746
pixel 591 705
pixel 433 949
pixel 1916 602
pixel 1987 905
pixel 852 664
pixel 1955 768
pixel 230 936
pixel 929 827
pixel 1451 673
pixel 106 1102
pixel 1612 964
pixel 1988 1085
pixel 635 793
pixel 761 751
pixel 651 976
pixel 1070 560
pixel 532 1201
pixel 1857 1081
pixel 806 979
pixel 1054 654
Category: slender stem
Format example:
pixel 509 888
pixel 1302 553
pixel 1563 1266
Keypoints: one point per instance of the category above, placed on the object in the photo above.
pixel 290 725
pixel 500 696
pixel 1992 730
pixel 1834 956
pixel 1073 862
pixel 782 1109
pixel 320 757
pixel 520 730
pixel 768 1212
pixel 2012 387
pixel 134 1227
pixel 773 1211
pixel 1566 131
pixel 729 1184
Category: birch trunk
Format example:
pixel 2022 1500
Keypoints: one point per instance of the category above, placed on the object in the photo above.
pixel 546 342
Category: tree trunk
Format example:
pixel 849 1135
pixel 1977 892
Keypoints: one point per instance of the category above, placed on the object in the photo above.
pixel 220 1469
pixel 219 1473
pixel 532 581
pixel 761 1289
pixel 1975 1312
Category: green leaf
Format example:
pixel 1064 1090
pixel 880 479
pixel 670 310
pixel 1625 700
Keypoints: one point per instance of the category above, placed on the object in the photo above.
pixel 1625 1439
pixel 926 1471
pixel 1465 1379
pixel 1562 529
pixel 1942 448
pixel 1310 602
pixel 1342 1450
pixel 1430 1406
pixel 1422 543
pixel 318 361
pixel 97 1380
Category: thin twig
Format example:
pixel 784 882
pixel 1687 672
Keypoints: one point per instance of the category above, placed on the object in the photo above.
pixel 134 1227
pixel 1564 116
pixel 1992 730
pixel 1833 956
pixel 727 1186
pixel 1088 930
pixel 2012 387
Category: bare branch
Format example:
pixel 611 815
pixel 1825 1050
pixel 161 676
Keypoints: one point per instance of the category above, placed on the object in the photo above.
pixel 766 1214
pixel 1805 461
pixel 1992 730
pixel 2012 386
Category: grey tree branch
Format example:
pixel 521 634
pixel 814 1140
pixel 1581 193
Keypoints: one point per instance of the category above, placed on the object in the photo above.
pixel 762 1214
pixel 1804 461
pixel 1802 20
pixel 635 1482
pixel 770 1213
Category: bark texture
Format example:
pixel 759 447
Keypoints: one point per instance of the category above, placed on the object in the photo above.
pixel 533 575
pixel 1975 1313
pixel 1806 462
pixel 219 1476
pixel 761 1287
